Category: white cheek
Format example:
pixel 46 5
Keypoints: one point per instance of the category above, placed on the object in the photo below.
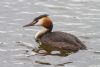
pixel 39 23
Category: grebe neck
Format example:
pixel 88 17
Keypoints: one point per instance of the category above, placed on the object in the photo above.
pixel 43 32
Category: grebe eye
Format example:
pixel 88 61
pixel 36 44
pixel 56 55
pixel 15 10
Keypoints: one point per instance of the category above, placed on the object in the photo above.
pixel 35 21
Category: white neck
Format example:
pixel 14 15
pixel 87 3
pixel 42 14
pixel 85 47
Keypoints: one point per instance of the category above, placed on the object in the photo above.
pixel 41 33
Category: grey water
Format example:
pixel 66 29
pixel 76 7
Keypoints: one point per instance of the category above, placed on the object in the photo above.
pixel 78 17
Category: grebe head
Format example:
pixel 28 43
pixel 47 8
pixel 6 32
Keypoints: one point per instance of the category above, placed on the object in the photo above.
pixel 42 20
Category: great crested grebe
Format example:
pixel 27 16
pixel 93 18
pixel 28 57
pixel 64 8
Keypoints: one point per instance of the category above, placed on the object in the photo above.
pixel 54 41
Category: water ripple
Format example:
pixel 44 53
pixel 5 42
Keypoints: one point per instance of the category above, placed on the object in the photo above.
pixel 6 31
pixel 86 0
pixel 24 12
pixel 75 24
pixel 51 5
pixel 66 16
pixel 2 49
pixel 20 0
pixel 3 31
pixel 86 27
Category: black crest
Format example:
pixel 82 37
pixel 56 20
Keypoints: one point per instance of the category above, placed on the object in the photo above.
pixel 41 16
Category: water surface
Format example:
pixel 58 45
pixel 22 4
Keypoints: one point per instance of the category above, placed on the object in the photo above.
pixel 79 17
